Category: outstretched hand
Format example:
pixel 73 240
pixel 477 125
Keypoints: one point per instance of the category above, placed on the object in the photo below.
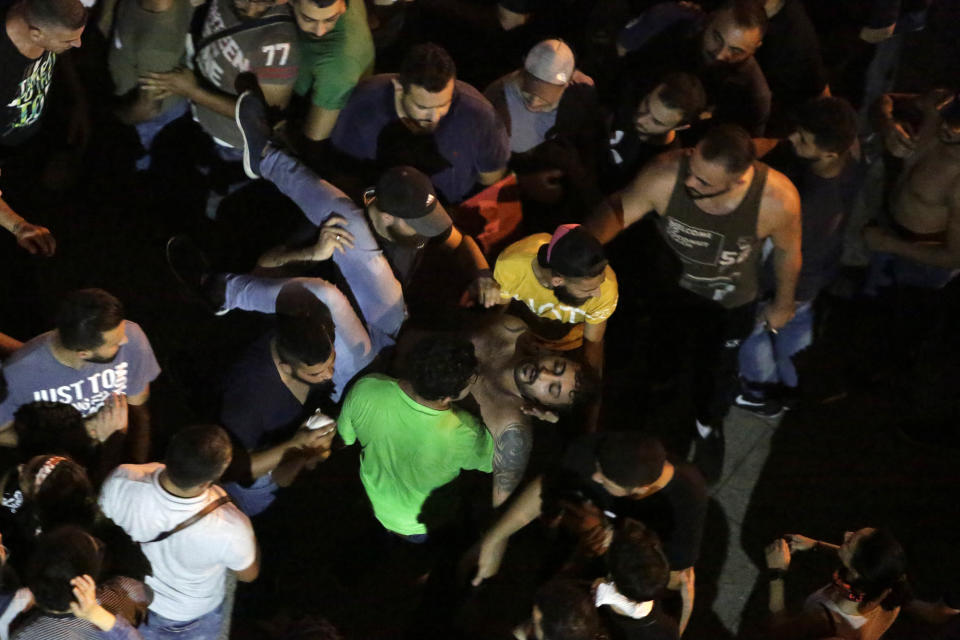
pixel 35 239
pixel 483 291
pixel 797 542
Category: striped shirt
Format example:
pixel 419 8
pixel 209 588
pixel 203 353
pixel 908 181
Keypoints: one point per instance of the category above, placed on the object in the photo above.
pixel 124 597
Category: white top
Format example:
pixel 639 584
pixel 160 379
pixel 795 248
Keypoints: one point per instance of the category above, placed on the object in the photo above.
pixel 851 626
pixel 189 567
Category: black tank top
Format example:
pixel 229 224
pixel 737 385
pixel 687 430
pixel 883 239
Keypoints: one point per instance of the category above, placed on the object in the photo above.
pixel 720 253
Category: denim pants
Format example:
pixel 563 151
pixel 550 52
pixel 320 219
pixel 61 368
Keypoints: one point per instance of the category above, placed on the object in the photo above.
pixel 149 129
pixel 206 627
pixel 354 346
pixel 254 499
pixel 767 358
pixel 887 269
pixel 364 267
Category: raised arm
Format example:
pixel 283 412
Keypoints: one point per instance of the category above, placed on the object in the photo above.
pixel 649 191
pixel 899 137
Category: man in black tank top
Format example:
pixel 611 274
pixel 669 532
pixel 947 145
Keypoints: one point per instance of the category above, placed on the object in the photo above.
pixel 715 204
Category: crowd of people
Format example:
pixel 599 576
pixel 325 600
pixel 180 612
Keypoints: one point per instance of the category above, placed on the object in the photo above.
pixel 430 270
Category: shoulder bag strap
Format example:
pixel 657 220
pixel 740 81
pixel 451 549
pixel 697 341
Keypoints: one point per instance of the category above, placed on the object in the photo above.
pixel 213 506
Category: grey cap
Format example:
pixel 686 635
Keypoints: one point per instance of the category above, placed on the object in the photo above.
pixel 551 61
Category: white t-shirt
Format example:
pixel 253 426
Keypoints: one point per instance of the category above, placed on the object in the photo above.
pixel 189 567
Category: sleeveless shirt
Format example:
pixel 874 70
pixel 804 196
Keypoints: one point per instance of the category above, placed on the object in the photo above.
pixel 850 626
pixel 720 253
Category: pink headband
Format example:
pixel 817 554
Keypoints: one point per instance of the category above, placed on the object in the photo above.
pixel 46 470
pixel 561 231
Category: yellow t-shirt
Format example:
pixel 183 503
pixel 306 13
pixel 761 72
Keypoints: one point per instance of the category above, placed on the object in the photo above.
pixel 514 273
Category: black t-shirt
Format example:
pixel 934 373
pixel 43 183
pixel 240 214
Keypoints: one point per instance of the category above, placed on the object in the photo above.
pixel 628 153
pixel 736 93
pixel 790 59
pixel 258 408
pixel 655 626
pixel 827 204
pixel 676 512
pixel 23 89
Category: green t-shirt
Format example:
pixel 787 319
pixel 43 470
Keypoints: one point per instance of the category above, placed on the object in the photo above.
pixel 409 450
pixel 331 66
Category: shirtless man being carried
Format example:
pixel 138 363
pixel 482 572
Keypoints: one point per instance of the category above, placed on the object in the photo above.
pixel 715 205
pixel 925 204
pixel 516 380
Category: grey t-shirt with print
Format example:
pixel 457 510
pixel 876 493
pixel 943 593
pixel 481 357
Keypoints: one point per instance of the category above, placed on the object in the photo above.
pixel 33 373
pixel 269 52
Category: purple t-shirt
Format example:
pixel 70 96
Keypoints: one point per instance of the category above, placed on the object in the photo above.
pixel 469 140
pixel 34 374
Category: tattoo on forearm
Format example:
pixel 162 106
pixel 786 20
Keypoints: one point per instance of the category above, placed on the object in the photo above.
pixel 510 456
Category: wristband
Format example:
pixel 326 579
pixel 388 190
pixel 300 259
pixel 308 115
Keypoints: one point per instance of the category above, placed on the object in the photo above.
pixel 482 273
pixel 775 574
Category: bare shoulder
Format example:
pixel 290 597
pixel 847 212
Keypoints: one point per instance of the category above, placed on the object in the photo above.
pixel 655 182
pixel 781 200
pixel 501 330
pixel 662 169
pixel 501 412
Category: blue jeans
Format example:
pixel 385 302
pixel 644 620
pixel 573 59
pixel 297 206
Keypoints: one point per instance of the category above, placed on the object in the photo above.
pixel 206 627
pixel 766 358
pixel 149 129
pixel 254 499
pixel 882 70
pixel 364 267
pixel 354 346
pixel 887 269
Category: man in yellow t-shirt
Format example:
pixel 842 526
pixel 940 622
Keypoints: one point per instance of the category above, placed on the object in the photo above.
pixel 562 287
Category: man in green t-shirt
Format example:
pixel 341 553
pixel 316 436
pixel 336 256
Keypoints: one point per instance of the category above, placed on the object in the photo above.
pixel 414 439
pixel 336 51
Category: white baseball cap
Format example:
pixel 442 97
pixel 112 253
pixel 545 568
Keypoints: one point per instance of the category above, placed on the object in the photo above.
pixel 551 61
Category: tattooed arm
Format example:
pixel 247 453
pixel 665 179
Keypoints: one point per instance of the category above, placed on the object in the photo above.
pixel 510 456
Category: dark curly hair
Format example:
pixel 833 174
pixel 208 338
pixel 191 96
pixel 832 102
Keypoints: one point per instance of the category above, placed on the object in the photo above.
pixel 65 496
pixel 442 366
pixel 567 610
pixel 636 562
pixel 52 427
pixel 60 556
pixel 831 120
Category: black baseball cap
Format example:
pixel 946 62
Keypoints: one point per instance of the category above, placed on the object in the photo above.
pixel 407 193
